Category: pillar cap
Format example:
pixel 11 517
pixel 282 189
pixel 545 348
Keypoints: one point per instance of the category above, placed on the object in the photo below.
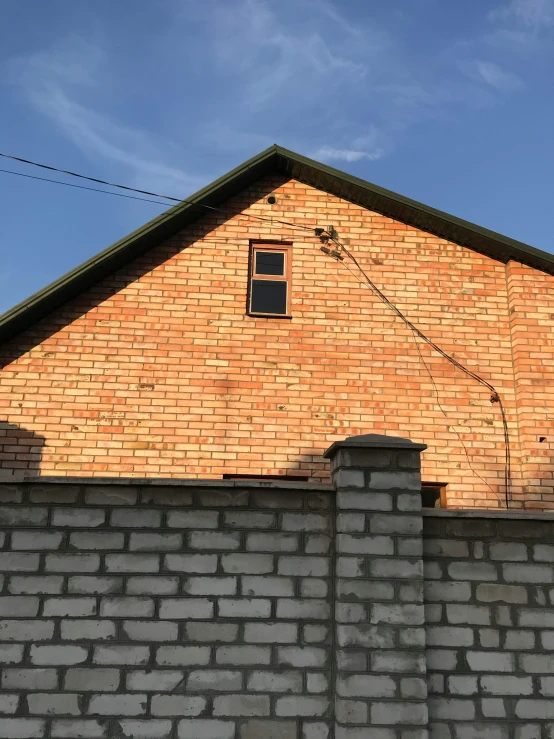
pixel 374 441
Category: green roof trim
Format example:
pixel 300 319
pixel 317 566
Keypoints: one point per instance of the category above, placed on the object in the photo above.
pixel 278 160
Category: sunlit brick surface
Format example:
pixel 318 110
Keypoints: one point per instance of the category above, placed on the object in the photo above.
pixel 157 371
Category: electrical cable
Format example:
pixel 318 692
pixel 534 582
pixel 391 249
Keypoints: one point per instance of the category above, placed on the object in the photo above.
pixel 416 333
pixel 131 189
pixel 84 177
pixel 495 397
pixel 436 391
pixel 81 187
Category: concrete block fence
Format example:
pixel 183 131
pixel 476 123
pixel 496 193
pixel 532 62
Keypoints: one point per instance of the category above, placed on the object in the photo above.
pixel 489 621
pixel 228 610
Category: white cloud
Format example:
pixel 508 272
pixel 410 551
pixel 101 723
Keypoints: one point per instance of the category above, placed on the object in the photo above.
pixel 52 80
pixel 287 73
pixel 327 9
pixel 328 78
pixel 522 27
pixel 96 134
pixel 531 14
pixel 270 56
pixel 373 145
pixel 301 73
pixel 493 75
pixel 328 153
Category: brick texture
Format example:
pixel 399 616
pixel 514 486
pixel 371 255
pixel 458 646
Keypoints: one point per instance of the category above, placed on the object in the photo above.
pixel 245 610
pixel 531 301
pixel 173 630
pixel 158 372
pixel 489 594
pixel 379 611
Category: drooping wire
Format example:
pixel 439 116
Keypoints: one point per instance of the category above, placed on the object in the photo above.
pixel 416 332
pixel 435 390
pixel 133 189
pixel 495 397
pixel 82 187
pixel 85 177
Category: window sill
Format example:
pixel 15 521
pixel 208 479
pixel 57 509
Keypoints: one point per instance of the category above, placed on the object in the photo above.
pixel 269 315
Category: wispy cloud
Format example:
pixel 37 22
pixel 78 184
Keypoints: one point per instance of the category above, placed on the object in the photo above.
pixel 493 75
pixel 325 8
pixel 52 81
pixel 524 26
pixel 327 153
pixel 299 72
pixel 532 14
pixel 288 72
pixel 304 66
pixel 371 147
pixel 274 57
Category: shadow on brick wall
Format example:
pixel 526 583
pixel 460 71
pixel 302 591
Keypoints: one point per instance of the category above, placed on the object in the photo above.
pixel 305 468
pixel 91 297
pixel 20 451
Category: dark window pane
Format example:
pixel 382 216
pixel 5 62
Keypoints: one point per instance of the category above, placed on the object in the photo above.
pixel 431 496
pixel 270 263
pixel 269 296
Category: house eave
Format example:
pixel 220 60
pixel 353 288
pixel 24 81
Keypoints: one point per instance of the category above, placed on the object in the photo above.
pixel 288 163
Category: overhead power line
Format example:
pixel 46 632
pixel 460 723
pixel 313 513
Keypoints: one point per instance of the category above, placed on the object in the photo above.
pixel 85 177
pixel 330 235
pixel 132 189
pixel 81 187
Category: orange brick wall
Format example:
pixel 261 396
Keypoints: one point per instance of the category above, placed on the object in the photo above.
pixel 531 305
pixel 158 372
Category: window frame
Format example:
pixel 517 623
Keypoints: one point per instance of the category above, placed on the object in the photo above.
pixel 441 500
pixel 280 247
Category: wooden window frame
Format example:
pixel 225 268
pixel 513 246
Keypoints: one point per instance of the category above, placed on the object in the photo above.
pixel 442 492
pixel 275 246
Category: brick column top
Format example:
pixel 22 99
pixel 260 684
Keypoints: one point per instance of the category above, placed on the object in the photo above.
pixel 366 461
pixel 375 441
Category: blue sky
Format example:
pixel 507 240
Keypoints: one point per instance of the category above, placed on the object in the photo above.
pixel 450 103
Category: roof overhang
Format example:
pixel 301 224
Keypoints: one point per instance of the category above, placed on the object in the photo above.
pixel 272 160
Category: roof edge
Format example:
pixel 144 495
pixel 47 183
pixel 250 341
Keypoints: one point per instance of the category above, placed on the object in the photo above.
pixel 519 250
pixel 71 283
pixel 279 159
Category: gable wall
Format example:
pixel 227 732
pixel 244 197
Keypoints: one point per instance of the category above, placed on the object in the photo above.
pixel 157 371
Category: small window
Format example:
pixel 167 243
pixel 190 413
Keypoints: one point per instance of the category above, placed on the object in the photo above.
pixel 270 273
pixel 433 494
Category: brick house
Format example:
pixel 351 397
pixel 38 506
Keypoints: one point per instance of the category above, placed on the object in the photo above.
pixel 220 341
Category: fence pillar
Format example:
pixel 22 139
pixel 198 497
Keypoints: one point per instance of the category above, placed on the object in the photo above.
pixel 380 681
